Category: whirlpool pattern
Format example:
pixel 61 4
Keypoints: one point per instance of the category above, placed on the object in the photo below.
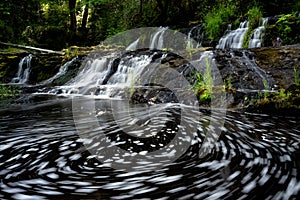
pixel 42 157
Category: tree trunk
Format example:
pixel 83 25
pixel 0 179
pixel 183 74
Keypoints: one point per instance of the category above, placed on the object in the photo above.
pixel 32 48
pixel 72 7
pixel 85 17
pixel 141 8
pixel 163 6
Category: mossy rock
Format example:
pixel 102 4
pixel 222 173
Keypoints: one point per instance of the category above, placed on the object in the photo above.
pixel 9 63
pixel 44 66
pixel 279 63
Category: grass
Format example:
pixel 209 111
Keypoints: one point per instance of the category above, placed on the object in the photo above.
pixel 266 93
pixel 217 19
pixel 8 92
pixel 204 83
pixel 254 17
pixel 228 85
pixel 296 76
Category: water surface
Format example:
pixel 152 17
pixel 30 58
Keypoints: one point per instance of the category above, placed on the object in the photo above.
pixel 43 157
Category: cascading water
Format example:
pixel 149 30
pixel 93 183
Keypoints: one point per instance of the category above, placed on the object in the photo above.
pixel 133 45
pixel 92 72
pixel 62 71
pixel 22 75
pixel 105 75
pixel 234 39
pixel 257 37
pixel 266 82
pixel 195 34
pixel 157 39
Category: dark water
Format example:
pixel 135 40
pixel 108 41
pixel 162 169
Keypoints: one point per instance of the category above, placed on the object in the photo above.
pixel 42 157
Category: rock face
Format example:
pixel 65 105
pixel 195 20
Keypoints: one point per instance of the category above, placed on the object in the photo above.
pixel 9 61
pixel 279 63
pixel 43 66
pixel 257 79
pixel 262 79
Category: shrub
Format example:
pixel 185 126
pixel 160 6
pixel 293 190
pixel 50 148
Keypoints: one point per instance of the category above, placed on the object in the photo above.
pixel 288 28
pixel 8 92
pixel 254 18
pixel 204 83
pixel 218 19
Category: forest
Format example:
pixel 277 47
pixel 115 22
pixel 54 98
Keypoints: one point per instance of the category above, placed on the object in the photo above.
pixel 59 24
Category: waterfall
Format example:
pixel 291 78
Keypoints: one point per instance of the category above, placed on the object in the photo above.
pixel 62 71
pixel 234 39
pixel 157 38
pixel 93 72
pixel 266 82
pixel 257 37
pixel 129 68
pixel 195 34
pixel 22 75
pixel 133 45
pixel 105 76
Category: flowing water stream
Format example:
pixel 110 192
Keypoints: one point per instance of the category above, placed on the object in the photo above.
pixel 23 73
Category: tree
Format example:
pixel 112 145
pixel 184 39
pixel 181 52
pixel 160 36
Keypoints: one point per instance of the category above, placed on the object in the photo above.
pixel 85 17
pixel 72 8
pixel 163 6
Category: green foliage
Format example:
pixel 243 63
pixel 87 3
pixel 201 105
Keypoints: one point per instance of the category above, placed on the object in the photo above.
pixel 288 28
pixel 218 19
pixel 263 97
pixel 228 85
pixel 204 83
pixel 254 18
pixel 266 93
pixel 8 92
pixel 296 76
pixel 282 95
pixel 276 7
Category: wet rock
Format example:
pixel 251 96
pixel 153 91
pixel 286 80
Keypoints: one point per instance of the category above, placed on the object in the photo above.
pixel 9 61
pixel 279 62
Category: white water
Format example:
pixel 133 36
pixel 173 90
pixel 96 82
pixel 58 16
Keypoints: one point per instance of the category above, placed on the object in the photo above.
pixel 157 38
pixel 129 69
pixel 133 45
pixel 234 39
pixel 257 37
pixel 22 75
pixel 90 79
pixel 197 32
pixel 260 72
pixel 62 71
pixel 93 72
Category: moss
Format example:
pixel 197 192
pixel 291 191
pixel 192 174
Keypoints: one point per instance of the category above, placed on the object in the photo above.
pixel 9 92
pixel 12 57
pixel 9 61
pixel 246 39
pixel 282 101
pixel 3 64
